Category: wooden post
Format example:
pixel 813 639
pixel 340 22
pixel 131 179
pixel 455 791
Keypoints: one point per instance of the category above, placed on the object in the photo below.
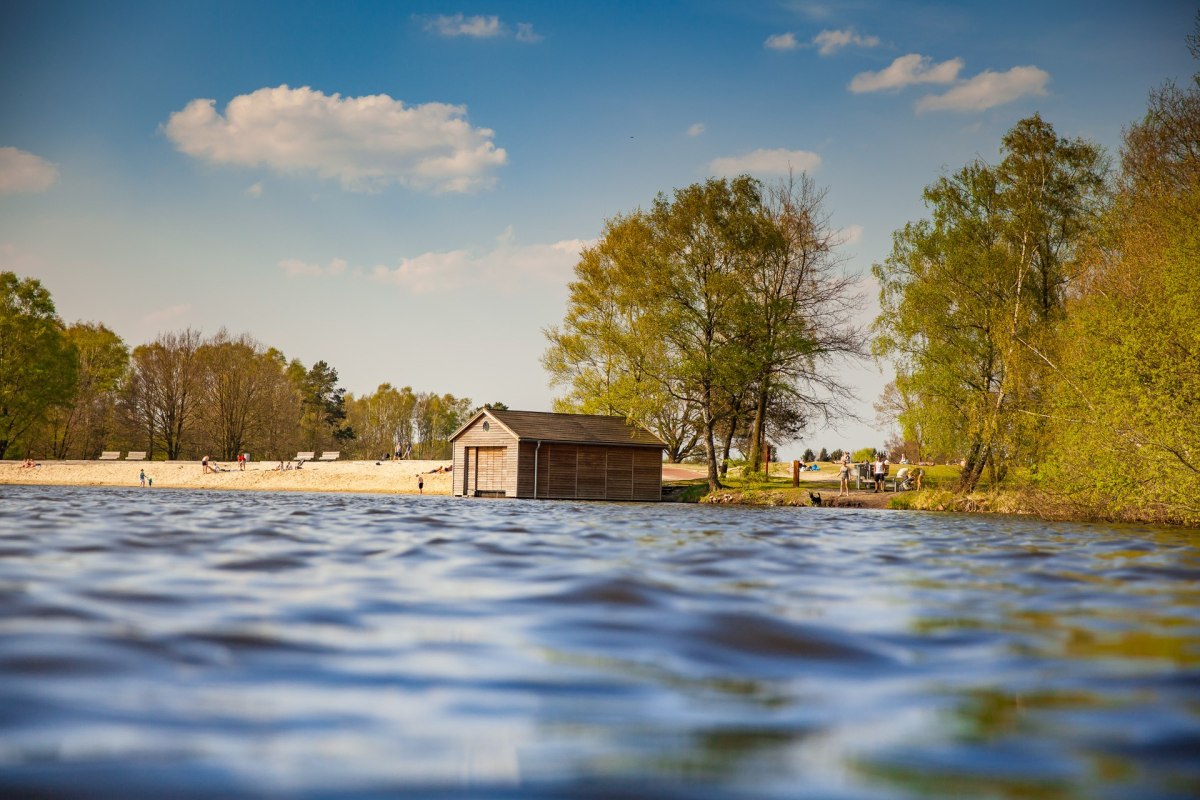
pixel 795 474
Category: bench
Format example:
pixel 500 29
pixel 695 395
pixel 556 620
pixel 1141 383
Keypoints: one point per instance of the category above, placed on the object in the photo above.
pixel 305 456
pixel 110 455
pixel 330 455
pixel 136 455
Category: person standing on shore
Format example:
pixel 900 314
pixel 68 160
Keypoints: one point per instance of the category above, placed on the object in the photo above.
pixel 844 479
pixel 420 484
pixel 204 465
pixel 142 478
pixel 879 474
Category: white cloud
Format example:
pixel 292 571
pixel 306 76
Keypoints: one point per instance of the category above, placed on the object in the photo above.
pixel 24 172
pixel 697 129
pixel 478 27
pixel 767 162
pixel 851 234
pixel 781 41
pixel 829 42
pixel 295 268
pixel 907 71
pixel 366 143
pixel 526 33
pixel 255 190
pixel 987 90
pixel 507 265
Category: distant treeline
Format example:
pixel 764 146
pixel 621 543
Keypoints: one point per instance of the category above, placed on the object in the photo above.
pixel 72 391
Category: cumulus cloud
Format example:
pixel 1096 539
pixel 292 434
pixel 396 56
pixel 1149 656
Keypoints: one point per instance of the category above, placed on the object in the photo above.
pixel 24 172
pixel 479 26
pixel 767 162
pixel 829 42
pixel 507 265
pixel 476 27
pixel 781 41
pixel 697 129
pixel 987 90
pixel 365 143
pixel 907 71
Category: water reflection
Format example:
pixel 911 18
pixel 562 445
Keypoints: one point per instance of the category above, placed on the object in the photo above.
pixel 203 644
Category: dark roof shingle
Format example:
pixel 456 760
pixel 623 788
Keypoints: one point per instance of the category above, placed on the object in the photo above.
pixel 574 428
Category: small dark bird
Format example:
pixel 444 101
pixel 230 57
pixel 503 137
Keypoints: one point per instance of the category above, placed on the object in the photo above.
pixel 815 497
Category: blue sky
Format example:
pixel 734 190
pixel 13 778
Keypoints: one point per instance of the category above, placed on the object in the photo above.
pixel 360 181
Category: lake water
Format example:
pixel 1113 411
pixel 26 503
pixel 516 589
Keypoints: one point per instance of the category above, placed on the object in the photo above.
pixel 201 644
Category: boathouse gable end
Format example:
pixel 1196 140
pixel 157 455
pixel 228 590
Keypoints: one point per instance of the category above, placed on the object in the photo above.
pixel 556 456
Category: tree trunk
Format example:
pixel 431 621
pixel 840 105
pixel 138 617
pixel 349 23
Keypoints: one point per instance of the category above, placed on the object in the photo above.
pixel 757 430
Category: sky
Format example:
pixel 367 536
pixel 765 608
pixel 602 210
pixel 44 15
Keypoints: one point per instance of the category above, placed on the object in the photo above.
pixel 402 189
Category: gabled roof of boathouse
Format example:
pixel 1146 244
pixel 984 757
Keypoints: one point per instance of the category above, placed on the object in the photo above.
pixel 542 426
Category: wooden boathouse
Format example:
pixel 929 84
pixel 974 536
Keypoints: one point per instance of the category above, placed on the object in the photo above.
pixel 555 456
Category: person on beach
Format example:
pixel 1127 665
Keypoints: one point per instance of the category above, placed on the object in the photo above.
pixel 204 466
pixel 877 468
pixel 142 478
pixel 844 479
pixel 420 484
pixel 241 462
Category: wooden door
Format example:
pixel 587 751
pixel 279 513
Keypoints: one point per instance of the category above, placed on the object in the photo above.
pixel 490 468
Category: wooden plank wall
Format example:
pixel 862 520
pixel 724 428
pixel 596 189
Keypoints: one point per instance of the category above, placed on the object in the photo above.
pixel 476 436
pixel 591 472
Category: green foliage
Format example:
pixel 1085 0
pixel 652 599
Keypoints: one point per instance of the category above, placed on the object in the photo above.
pixel 707 316
pixel 80 427
pixel 863 454
pixel 38 365
pixel 971 298
pixel 1127 443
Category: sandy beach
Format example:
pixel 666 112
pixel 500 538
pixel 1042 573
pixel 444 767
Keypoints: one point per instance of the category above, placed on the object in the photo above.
pixel 388 477
pixel 392 477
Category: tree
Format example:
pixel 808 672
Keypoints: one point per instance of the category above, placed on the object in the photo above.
pixel 823 455
pixel 80 427
pixel 1128 380
pixel 809 455
pixel 237 377
pixel 803 304
pixel 707 317
pixel 383 421
pixel 163 392
pixel 436 417
pixel 38 368
pixel 972 298
pixel 324 408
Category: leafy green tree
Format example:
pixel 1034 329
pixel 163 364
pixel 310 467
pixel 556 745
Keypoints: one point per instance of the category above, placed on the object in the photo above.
pixel 803 307
pixel 80 428
pixel 971 298
pixel 324 408
pixel 383 421
pixel 1126 431
pixel 38 367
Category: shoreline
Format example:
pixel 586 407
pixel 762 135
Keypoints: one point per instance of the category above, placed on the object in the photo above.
pixel 384 477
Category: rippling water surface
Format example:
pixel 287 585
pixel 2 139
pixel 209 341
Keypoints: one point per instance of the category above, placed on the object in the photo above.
pixel 160 643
